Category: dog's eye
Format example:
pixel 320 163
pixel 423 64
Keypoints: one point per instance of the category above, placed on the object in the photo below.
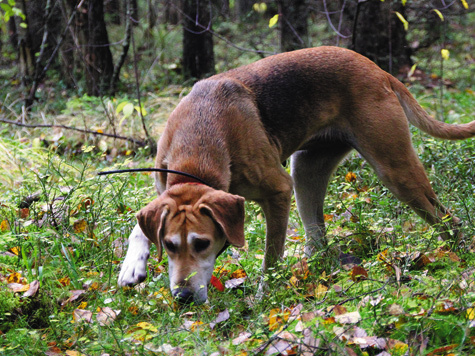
pixel 200 244
pixel 170 246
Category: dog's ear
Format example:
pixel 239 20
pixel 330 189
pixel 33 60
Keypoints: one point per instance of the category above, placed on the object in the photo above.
pixel 227 210
pixel 151 220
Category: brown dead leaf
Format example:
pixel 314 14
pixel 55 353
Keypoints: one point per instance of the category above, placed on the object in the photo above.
pixel 243 337
pixel 75 294
pixel 348 318
pixel 23 213
pixel 339 310
pixel 18 287
pixel 106 316
pixel 300 269
pixel 358 273
pixel 350 177
pixel 79 226
pixel 32 290
pixel 223 316
pixel 80 315
pixel 395 309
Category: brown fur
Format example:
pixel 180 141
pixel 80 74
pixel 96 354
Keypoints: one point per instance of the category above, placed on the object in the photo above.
pixel 235 129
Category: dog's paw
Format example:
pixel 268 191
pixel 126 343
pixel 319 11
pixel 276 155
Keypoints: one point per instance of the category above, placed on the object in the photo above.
pixel 134 271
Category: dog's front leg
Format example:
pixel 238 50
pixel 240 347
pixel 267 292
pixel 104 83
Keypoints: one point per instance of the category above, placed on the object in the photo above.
pixel 134 268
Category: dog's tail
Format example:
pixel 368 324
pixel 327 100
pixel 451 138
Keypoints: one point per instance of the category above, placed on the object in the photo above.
pixel 421 119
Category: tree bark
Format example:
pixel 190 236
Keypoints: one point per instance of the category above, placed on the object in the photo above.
pixel 198 56
pixel 294 28
pixel 380 35
pixel 97 54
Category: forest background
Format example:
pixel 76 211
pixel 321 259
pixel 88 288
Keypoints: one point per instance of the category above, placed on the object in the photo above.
pixel 87 85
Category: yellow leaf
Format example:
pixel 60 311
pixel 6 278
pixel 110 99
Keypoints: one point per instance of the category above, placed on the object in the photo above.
pixel 79 226
pixel 147 326
pixel 274 319
pixel 413 69
pixel 320 291
pixel 403 2
pixel 445 53
pixel 403 20
pixel 195 325
pixel 83 305
pixel 65 281
pixel 464 3
pixel 15 250
pixel 260 7
pixel 100 131
pixel 4 225
pixel 439 14
pixel 14 278
pixel 471 313
pixel 350 177
pixel 273 21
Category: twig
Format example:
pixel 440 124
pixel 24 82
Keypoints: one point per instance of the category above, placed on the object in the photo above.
pixel 137 142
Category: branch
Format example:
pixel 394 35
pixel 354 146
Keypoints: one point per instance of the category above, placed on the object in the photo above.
pixel 130 139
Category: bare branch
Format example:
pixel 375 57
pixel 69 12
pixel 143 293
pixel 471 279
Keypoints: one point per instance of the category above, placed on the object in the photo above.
pixel 130 139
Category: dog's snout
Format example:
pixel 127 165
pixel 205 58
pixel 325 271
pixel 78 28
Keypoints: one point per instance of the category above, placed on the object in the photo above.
pixel 183 295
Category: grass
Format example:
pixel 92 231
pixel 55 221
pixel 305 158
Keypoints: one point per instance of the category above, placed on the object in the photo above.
pixel 411 289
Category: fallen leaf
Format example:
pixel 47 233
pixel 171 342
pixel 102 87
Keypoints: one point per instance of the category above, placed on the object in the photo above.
pixel 348 318
pixel 147 326
pixel 75 294
pixel 23 213
pixel 243 337
pixel 358 273
pixel 32 290
pixel 216 283
pixel 300 269
pixel 82 315
pixel 79 226
pixel 15 250
pixel 339 310
pixel 239 273
pixel 223 316
pixel 106 316
pixel 14 277
pixel 4 225
pixel 395 309
pixel 18 287
pixel 320 291
pixel 65 281
pixel 350 177
pixel 234 283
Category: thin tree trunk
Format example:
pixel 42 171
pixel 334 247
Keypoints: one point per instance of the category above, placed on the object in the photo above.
pixel 198 56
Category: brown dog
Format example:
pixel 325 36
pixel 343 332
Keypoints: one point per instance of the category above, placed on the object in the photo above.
pixel 235 129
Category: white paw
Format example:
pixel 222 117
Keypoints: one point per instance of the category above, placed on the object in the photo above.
pixel 134 268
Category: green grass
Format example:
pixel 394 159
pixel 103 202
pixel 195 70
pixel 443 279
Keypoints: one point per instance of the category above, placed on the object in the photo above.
pixel 72 238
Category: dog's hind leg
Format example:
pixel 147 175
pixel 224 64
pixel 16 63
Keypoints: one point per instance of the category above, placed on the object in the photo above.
pixel 311 171
pixel 390 152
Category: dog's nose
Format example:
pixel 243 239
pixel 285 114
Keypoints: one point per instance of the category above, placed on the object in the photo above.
pixel 183 295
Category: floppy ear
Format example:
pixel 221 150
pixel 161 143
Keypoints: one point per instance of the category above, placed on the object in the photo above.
pixel 227 210
pixel 151 220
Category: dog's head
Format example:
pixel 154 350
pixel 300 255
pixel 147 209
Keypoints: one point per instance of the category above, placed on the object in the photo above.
pixel 193 223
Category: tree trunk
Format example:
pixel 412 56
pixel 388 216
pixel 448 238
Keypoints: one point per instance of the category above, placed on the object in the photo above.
pixel 294 29
pixel 97 54
pixel 379 34
pixel 198 56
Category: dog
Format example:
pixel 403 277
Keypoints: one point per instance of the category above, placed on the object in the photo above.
pixel 234 130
